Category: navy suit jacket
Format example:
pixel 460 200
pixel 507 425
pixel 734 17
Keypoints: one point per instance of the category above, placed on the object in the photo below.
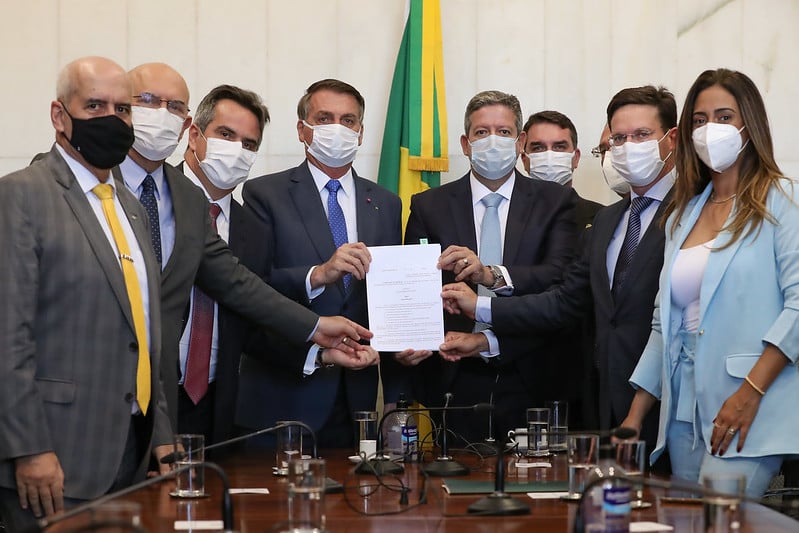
pixel 623 323
pixel 539 240
pixel 286 232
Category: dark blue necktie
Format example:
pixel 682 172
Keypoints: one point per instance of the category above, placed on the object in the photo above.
pixel 335 218
pixel 150 204
pixel 630 244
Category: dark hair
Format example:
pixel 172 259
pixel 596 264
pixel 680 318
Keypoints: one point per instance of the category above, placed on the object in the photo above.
pixel 329 84
pixel 658 97
pixel 247 99
pixel 486 98
pixel 758 169
pixel 552 117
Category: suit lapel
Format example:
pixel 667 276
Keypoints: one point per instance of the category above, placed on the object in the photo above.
pixel 94 234
pixel 366 211
pixel 522 205
pixel 651 243
pixel 179 208
pixel 311 213
pixel 462 214
pixel 603 233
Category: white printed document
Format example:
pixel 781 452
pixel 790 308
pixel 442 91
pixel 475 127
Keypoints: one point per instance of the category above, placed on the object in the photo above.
pixel 403 289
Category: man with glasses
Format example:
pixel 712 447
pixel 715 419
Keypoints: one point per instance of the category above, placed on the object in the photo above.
pixel 184 239
pixel 613 179
pixel 620 262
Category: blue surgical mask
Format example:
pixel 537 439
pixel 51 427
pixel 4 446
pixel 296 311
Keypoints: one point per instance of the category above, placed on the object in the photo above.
pixel 493 157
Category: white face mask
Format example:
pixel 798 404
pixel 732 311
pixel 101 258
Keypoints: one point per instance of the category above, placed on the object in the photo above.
pixel 493 157
pixel 157 132
pixel 226 163
pixel 614 180
pixel 638 163
pixel 333 145
pixel 551 166
pixel 718 145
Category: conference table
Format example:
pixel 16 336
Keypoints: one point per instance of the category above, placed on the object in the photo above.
pixel 365 506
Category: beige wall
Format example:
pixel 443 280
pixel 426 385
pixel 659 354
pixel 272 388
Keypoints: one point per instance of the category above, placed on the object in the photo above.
pixel 568 55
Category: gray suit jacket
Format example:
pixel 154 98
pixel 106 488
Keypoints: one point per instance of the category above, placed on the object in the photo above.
pixel 68 366
pixel 200 256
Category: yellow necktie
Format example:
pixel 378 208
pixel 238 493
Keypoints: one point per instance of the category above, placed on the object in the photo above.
pixel 106 194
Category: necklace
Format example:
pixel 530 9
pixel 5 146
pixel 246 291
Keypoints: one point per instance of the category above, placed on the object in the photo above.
pixel 713 200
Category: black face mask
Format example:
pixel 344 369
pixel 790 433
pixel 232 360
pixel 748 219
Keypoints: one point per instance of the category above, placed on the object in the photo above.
pixel 102 141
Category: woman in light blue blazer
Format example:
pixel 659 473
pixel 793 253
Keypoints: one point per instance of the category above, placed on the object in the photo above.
pixel 725 334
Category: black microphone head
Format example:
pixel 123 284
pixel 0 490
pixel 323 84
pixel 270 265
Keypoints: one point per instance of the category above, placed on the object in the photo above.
pixel 624 433
pixel 482 407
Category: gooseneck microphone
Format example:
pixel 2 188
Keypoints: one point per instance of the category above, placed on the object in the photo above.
pixel 499 503
pixel 227 504
pixel 175 456
pixel 381 464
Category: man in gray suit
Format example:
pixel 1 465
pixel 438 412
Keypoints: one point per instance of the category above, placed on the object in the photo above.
pixel 190 250
pixel 80 397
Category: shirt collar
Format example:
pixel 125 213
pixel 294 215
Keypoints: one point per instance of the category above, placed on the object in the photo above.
pixel 479 191
pixel 86 180
pixel 223 203
pixel 660 189
pixel 320 178
pixel 134 175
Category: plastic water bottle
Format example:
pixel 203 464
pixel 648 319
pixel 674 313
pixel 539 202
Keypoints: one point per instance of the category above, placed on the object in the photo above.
pixel 402 434
pixel 607 506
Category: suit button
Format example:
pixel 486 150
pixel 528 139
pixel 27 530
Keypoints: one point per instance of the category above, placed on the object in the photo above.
pixel 133 346
pixel 129 397
pixel 701 331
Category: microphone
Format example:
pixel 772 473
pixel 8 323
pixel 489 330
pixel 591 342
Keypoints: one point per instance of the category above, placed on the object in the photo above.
pixel 175 456
pixel 227 504
pixel 499 503
pixel 381 464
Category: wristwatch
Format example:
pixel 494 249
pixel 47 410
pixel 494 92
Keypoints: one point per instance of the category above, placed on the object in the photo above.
pixel 320 362
pixel 499 277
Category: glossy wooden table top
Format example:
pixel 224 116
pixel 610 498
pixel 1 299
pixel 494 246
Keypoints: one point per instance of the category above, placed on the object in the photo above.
pixel 358 508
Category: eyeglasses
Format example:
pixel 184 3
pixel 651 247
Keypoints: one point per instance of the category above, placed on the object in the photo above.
pixel 598 151
pixel 638 136
pixel 175 107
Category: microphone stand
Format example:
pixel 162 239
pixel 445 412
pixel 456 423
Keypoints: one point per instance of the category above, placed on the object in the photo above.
pixel 227 504
pixel 380 464
pixel 445 465
pixel 499 503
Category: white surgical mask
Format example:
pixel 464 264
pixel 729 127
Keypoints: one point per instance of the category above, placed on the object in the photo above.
pixel 226 163
pixel 614 180
pixel 551 166
pixel 333 145
pixel 718 145
pixel 493 157
pixel 157 132
pixel 638 163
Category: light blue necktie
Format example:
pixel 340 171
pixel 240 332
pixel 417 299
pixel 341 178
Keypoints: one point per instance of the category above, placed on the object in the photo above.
pixel 335 218
pixel 490 242
pixel 490 234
